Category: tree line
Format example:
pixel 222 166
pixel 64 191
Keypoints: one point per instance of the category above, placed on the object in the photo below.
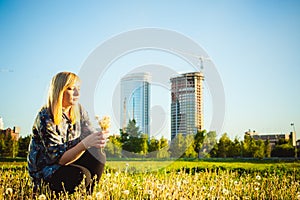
pixel 10 147
pixel 133 143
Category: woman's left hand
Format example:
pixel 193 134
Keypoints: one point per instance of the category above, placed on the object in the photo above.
pixel 103 138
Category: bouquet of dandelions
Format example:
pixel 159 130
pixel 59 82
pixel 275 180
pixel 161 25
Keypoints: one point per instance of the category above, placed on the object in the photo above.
pixel 104 124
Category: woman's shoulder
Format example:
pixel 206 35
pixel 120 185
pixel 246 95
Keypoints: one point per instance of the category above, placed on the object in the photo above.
pixel 82 110
pixel 44 113
pixel 44 116
pixel 84 116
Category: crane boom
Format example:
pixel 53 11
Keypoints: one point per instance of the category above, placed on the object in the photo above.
pixel 201 58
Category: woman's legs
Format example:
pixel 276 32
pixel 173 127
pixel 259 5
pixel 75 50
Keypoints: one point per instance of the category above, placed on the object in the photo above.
pixel 67 178
pixel 94 160
pixel 89 165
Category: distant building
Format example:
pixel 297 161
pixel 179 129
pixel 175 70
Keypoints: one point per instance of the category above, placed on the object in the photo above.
pixel 135 101
pixel 272 137
pixel 186 104
pixel 1 123
pixel 15 132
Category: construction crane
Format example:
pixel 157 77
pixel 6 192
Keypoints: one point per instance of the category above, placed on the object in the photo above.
pixel 201 58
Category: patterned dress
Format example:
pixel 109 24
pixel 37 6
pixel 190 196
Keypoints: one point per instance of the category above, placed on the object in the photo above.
pixel 49 142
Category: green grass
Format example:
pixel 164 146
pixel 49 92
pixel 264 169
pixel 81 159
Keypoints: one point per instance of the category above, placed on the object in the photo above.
pixel 148 166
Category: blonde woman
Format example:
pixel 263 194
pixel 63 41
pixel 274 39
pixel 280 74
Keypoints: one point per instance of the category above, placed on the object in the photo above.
pixel 65 147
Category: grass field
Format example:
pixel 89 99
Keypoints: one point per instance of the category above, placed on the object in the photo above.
pixel 172 180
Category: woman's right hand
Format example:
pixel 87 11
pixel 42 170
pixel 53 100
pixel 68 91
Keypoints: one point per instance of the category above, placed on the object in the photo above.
pixel 94 140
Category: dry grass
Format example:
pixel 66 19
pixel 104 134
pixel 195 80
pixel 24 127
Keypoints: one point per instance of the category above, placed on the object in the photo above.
pixel 122 183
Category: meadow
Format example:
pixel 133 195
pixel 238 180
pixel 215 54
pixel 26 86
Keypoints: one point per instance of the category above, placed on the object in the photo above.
pixel 149 179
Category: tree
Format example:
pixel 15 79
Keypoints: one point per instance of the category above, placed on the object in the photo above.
pixel 223 146
pixel 23 144
pixel 189 147
pixel 209 143
pixel 113 147
pixel 2 144
pixel 163 143
pixel 158 148
pixel 130 137
pixel 143 144
pixel 282 141
pixel 8 145
pixel 132 129
pixel 177 147
pixel 198 143
pixel 124 136
pixel 283 150
pixel 268 149
pixel 235 148
pixel 247 146
pixel 214 151
pixel 154 144
pixel 153 147
pixel 259 152
pixel 163 150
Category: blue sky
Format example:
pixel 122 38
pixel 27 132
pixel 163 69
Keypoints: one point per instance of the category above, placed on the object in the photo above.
pixel 254 45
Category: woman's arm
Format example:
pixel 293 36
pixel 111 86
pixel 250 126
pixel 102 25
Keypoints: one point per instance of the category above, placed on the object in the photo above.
pixel 72 154
pixel 97 139
pixel 89 138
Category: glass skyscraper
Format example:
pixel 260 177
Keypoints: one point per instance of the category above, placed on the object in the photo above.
pixel 186 104
pixel 135 100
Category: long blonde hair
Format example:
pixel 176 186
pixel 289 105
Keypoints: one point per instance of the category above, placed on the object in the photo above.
pixel 60 82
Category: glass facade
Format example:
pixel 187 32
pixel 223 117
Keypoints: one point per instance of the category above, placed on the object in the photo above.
pixel 135 100
pixel 186 104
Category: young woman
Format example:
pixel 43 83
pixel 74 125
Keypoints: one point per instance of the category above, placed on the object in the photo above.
pixel 64 147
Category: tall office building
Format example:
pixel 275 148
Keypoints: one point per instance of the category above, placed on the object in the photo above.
pixel 135 100
pixel 186 104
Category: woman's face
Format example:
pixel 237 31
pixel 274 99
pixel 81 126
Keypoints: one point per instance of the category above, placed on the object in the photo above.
pixel 71 95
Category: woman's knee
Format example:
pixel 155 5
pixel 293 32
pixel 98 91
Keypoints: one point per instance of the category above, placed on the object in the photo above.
pixel 67 178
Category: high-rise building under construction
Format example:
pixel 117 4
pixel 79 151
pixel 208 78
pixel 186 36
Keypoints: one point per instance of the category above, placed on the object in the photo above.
pixel 186 104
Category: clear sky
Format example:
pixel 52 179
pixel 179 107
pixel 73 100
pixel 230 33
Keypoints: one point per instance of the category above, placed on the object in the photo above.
pixel 254 45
